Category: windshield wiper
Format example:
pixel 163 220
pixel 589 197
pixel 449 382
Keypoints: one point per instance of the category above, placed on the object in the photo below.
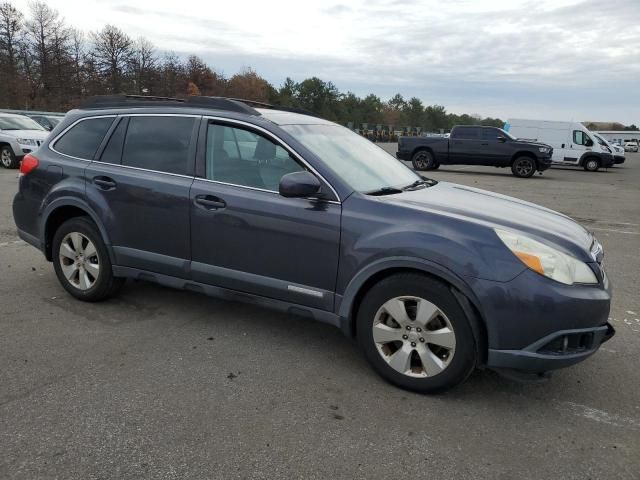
pixel 419 183
pixel 383 191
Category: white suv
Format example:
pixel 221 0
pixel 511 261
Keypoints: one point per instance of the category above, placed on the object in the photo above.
pixel 631 146
pixel 19 135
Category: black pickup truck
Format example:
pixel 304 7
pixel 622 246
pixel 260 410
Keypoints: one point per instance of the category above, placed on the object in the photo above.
pixel 473 145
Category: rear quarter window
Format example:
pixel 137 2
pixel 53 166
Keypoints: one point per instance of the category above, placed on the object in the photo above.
pixel 83 139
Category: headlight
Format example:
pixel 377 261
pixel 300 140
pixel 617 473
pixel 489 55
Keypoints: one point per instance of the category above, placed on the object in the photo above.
pixel 543 149
pixel 26 141
pixel 547 261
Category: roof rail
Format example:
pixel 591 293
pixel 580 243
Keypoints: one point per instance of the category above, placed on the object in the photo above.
pixel 126 101
pixel 276 107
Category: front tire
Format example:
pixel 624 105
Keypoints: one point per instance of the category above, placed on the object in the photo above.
pixel 423 160
pixel 81 261
pixel 415 334
pixel 8 158
pixel 523 167
pixel 592 164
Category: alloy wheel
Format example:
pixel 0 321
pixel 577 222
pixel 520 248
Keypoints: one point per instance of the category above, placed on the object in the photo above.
pixel 5 158
pixel 414 336
pixel 524 167
pixel 79 261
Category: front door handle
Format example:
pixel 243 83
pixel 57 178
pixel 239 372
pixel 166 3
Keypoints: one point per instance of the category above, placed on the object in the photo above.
pixel 484 144
pixel 209 202
pixel 104 183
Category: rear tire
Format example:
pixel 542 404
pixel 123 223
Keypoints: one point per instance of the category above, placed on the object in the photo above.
pixel 423 160
pixel 8 158
pixel 81 261
pixel 415 335
pixel 523 167
pixel 591 164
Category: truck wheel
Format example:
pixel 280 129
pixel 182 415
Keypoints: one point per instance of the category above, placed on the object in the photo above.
pixel 8 158
pixel 423 160
pixel 415 335
pixel 523 167
pixel 592 164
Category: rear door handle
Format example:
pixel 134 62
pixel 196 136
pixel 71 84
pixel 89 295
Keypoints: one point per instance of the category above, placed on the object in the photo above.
pixel 209 202
pixel 104 183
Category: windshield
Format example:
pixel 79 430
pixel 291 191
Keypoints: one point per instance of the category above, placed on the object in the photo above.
pixel 600 140
pixel 19 123
pixel 360 163
pixel 507 134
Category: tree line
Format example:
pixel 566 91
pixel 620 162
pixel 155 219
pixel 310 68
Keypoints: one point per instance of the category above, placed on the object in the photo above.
pixel 46 64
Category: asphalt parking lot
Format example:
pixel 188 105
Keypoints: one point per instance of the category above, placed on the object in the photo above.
pixel 159 383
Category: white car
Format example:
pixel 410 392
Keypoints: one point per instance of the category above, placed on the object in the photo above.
pixel 19 135
pixel 631 146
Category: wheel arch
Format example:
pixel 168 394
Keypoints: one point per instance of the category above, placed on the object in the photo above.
pixel 425 148
pixel 523 153
pixel 62 210
pixel 369 276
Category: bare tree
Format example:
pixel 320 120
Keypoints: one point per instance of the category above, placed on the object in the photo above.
pixel 144 66
pixel 10 40
pixel 113 51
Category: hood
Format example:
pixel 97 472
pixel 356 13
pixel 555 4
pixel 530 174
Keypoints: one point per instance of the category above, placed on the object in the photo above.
pixel 530 143
pixel 33 134
pixel 496 210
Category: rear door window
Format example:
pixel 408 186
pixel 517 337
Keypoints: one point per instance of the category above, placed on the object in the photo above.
pixel 113 151
pixel 84 138
pixel 466 133
pixel 159 143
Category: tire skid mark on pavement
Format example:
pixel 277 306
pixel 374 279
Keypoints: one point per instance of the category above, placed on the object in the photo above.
pixel 601 416
pixel 14 242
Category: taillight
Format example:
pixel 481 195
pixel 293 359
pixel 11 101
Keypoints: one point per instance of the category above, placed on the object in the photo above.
pixel 28 164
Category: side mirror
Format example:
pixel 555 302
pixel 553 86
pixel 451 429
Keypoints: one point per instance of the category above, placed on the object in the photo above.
pixel 588 143
pixel 501 138
pixel 299 184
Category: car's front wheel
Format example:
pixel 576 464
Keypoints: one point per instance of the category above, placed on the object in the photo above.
pixel 592 164
pixel 415 334
pixel 523 167
pixel 423 160
pixel 8 158
pixel 81 261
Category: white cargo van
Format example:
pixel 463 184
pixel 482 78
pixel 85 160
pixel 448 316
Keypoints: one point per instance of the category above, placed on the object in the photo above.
pixel 572 142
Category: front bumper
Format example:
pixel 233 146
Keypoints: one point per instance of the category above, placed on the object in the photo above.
pixel 618 159
pixel 557 350
pixel 525 316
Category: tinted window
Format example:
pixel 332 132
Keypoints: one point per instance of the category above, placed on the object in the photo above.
pixel 113 150
pixel 84 138
pixel 465 132
pixel 245 158
pixel 158 143
pixel 490 134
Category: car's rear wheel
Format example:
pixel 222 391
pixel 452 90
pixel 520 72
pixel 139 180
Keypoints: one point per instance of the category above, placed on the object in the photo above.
pixel 423 160
pixel 523 167
pixel 592 164
pixel 415 334
pixel 8 158
pixel 81 261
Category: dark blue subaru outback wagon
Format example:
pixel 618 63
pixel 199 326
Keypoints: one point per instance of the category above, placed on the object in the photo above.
pixel 299 214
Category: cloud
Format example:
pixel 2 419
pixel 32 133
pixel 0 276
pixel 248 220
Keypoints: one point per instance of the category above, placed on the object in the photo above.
pixel 566 58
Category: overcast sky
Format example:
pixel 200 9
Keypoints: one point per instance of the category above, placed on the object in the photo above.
pixel 551 59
